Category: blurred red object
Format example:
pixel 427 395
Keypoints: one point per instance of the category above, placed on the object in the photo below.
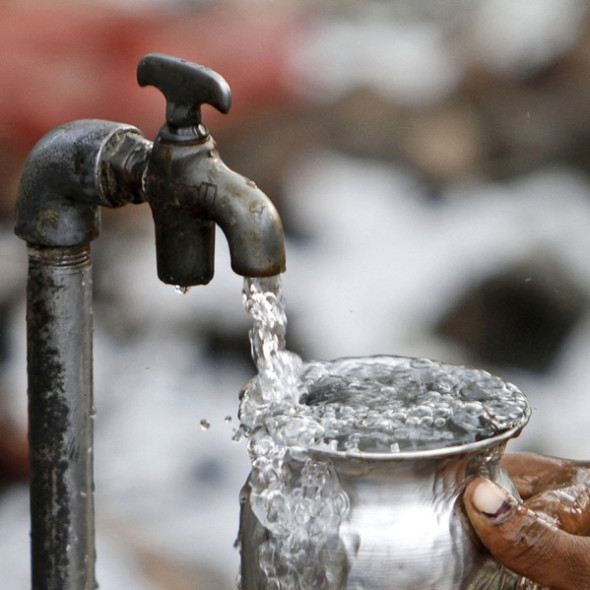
pixel 65 63
pixel 14 452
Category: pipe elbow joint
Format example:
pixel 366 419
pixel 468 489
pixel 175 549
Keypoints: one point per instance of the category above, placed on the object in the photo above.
pixel 70 172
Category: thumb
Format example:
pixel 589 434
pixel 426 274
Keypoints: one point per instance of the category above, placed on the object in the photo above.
pixel 525 543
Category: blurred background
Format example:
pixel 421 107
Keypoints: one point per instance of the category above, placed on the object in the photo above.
pixel 430 161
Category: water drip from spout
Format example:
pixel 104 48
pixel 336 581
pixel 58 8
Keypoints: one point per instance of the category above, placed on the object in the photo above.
pixel 181 290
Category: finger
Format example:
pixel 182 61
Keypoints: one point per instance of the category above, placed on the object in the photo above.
pixel 530 471
pixel 531 464
pixel 559 488
pixel 569 507
pixel 524 542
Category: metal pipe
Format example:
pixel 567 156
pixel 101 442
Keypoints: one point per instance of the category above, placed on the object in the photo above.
pixel 60 397
pixel 70 173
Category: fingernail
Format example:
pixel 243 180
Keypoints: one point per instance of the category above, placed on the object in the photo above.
pixel 491 500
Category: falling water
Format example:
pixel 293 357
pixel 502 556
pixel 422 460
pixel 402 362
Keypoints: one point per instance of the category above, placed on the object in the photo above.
pixel 277 368
pixel 297 499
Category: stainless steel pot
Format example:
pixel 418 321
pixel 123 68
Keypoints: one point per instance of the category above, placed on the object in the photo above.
pixel 404 526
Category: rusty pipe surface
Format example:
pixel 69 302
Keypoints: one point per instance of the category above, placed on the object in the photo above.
pixel 60 400
pixel 71 171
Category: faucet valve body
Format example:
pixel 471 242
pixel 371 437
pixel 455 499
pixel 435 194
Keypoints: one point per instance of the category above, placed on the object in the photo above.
pixel 190 191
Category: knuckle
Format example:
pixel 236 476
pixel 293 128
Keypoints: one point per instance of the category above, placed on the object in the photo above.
pixel 531 545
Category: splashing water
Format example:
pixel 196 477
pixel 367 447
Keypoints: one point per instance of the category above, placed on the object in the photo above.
pixel 297 499
pixel 370 404
pixel 357 405
pixel 392 404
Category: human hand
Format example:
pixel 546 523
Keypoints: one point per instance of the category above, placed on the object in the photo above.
pixel 542 537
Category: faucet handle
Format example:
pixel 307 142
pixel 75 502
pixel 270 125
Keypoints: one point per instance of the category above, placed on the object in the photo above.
pixel 186 86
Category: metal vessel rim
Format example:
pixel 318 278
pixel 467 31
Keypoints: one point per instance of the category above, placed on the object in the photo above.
pixel 435 453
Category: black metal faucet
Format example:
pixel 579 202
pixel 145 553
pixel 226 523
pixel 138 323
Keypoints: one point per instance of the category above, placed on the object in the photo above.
pixel 71 172
pixel 190 189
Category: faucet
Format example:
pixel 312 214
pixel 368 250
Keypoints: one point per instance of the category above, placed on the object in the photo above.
pixel 190 189
pixel 70 173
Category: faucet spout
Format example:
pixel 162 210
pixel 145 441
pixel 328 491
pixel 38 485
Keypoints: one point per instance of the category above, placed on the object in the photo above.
pixel 250 223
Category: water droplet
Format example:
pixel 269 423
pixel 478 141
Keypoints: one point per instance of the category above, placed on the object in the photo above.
pixel 227 419
pixel 182 290
pixel 205 424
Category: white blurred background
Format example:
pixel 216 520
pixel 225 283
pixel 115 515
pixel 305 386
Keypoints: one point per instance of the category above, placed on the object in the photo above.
pixel 430 161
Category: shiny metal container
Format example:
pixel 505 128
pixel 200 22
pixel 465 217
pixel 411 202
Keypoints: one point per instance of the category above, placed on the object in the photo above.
pixel 405 527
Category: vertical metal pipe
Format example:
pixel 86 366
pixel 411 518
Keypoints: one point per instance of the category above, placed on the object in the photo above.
pixel 59 358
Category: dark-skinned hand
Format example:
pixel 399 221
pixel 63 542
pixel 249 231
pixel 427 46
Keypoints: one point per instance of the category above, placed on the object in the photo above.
pixel 543 537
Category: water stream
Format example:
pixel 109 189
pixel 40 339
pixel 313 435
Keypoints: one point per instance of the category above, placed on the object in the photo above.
pixel 299 500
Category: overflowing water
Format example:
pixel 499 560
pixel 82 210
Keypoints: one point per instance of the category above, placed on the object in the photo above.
pixel 297 499
pixel 379 404
pixel 393 404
